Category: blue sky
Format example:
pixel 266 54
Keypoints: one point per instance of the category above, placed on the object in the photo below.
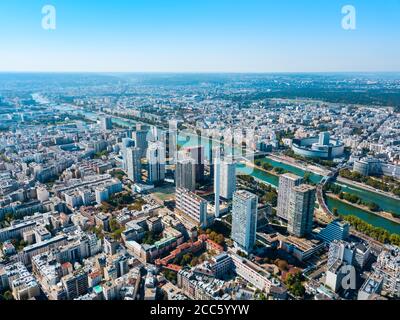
pixel 200 36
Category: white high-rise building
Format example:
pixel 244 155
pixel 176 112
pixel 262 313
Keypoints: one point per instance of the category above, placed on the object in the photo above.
pixel 156 162
pixel 217 181
pixel 126 143
pixel 244 219
pixel 228 179
pixel 134 166
pixel 192 206
pixel 301 210
pixel 171 140
pixel 286 183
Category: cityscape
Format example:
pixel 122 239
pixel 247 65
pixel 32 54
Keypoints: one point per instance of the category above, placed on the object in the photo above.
pixel 204 192
pixel 223 186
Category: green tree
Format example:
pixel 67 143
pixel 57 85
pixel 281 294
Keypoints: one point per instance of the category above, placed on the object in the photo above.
pixel 186 259
pixel 294 284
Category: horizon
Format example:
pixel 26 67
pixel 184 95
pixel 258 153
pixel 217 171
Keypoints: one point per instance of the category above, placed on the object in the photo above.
pixel 203 72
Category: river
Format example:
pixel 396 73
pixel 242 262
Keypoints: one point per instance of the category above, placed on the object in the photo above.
pixel 386 203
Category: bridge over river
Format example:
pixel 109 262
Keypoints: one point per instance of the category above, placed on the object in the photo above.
pixel 320 192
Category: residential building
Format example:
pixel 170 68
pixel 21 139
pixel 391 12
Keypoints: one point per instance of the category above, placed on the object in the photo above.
pixel 106 123
pixel 156 162
pixel 244 219
pixel 192 206
pixel 227 178
pixel 301 210
pixel 185 174
pixel 134 166
pixel 286 183
pixel 75 284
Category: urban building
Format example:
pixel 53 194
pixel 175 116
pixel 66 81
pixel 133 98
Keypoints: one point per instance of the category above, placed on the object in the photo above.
pixel 134 166
pixel 106 123
pixel 75 284
pixel 321 147
pixel 301 248
pixel 368 167
pixel 286 183
pixel 185 174
pixel 227 179
pixel 141 141
pixel 156 162
pixel 192 206
pixel 371 288
pixel 19 280
pixel 126 143
pixel 244 219
pixel 355 254
pixel 301 210
pixel 336 230
pixel 197 154
pixel 387 266
pixel 252 273
pixel 335 275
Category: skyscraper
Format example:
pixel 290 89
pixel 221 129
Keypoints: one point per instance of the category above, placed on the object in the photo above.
pixel 244 219
pixel 217 180
pixel 171 140
pixel 197 154
pixel 156 162
pixel 228 178
pixel 185 174
pixel 126 143
pixel 301 210
pixel 211 157
pixel 106 123
pixel 140 137
pixel 286 183
pixel 134 166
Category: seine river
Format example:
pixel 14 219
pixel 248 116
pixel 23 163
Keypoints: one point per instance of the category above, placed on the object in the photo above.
pixel 386 203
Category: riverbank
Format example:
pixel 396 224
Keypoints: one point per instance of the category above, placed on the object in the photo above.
pixel 367 188
pixel 295 163
pixel 254 166
pixel 382 214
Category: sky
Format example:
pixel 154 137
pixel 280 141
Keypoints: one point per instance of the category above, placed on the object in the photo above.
pixel 199 36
